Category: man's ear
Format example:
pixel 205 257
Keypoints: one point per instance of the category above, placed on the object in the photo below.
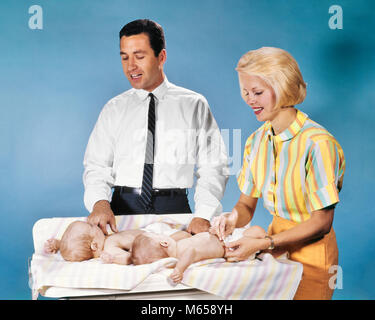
pixel 162 56
pixel 164 243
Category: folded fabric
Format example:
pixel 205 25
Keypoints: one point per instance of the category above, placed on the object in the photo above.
pixel 160 228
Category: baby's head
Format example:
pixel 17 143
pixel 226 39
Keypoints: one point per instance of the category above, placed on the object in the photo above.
pixel 80 241
pixel 149 247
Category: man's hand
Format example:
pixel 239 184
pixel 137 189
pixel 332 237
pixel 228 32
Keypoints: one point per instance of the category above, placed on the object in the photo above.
pixel 198 225
pixel 102 215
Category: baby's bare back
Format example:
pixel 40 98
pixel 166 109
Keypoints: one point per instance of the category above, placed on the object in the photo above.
pixel 205 245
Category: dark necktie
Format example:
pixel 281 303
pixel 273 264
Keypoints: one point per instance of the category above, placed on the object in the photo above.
pixel 146 192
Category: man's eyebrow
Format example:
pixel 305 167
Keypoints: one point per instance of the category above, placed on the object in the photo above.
pixel 135 52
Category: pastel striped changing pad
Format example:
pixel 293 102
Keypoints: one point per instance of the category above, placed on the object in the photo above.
pixel 267 279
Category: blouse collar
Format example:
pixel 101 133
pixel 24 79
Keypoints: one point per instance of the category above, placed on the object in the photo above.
pixel 292 130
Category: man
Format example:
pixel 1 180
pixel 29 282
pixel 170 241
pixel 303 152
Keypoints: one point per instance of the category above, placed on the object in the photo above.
pixel 148 140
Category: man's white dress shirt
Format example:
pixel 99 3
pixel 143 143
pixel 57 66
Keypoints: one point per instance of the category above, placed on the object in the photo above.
pixel 187 143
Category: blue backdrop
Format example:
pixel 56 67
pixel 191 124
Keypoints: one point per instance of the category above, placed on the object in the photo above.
pixel 54 82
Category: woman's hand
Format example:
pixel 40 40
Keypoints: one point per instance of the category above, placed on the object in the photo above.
pixel 243 248
pixel 224 225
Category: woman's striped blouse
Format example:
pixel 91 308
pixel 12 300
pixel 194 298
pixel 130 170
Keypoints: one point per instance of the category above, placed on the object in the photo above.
pixel 296 172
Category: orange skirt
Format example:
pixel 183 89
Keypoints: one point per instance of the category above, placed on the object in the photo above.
pixel 317 256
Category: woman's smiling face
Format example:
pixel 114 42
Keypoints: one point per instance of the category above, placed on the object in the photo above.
pixel 259 95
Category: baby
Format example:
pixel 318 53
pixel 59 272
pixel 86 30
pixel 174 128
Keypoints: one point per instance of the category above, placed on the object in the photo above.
pixel 83 241
pixel 149 247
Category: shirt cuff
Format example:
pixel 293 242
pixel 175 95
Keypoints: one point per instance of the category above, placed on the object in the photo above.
pixel 90 198
pixel 324 197
pixel 207 212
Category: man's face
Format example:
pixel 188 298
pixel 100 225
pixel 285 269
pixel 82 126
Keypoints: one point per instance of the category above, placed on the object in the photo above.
pixel 141 67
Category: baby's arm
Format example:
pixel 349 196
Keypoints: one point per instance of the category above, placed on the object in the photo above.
pixel 179 235
pixel 116 246
pixel 123 239
pixel 116 255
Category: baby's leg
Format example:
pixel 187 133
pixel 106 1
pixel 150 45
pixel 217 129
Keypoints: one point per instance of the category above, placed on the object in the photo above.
pixel 185 260
pixel 116 255
pixel 199 247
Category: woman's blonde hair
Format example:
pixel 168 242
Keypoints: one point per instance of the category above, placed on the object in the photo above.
pixel 279 69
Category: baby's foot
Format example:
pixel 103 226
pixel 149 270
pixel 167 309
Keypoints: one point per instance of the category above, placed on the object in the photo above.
pixel 176 276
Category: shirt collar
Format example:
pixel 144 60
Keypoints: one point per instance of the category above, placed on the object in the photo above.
pixel 158 92
pixel 291 131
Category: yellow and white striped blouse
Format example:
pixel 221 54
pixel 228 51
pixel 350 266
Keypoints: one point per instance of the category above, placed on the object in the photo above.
pixel 296 172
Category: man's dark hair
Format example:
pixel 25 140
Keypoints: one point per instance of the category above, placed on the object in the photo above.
pixel 152 29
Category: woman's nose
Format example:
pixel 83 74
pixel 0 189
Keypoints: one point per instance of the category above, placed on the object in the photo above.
pixel 251 99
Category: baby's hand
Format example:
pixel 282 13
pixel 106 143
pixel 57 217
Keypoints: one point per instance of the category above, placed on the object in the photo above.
pixel 176 276
pixel 51 246
pixel 106 257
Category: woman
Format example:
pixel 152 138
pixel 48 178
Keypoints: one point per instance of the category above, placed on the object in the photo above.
pixel 295 165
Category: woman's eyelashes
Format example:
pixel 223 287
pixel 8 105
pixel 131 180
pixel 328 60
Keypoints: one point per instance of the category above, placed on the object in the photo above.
pixel 257 93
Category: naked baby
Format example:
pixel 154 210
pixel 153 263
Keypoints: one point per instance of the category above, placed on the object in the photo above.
pixel 83 241
pixel 149 247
